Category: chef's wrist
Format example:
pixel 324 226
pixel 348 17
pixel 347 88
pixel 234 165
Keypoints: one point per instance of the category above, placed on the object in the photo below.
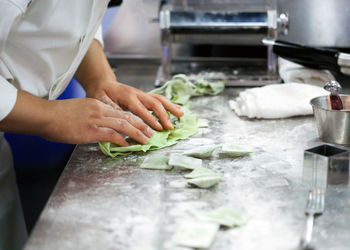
pixel 30 115
pixel 100 88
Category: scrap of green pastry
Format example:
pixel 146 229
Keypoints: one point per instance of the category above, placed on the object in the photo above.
pixel 203 123
pixel 184 162
pixel 225 216
pixel 195 234
pixel 201 172
pixel 180 89
pixel 184 127
pixel 234 150
pixel 202 152
pixel 156 162
pixel 205 182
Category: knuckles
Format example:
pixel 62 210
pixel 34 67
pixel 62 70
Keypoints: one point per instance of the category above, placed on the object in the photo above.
pixel 157 105
pixel 122 124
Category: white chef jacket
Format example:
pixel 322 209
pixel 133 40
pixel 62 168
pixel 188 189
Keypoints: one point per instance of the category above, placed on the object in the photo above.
pixel 42 43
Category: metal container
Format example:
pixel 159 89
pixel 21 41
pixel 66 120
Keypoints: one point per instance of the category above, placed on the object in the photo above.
pixel 333 125
pixel 326 165
pixel 314 23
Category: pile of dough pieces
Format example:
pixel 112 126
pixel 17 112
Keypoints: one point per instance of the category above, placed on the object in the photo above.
pixel 200 231
pixel 200 176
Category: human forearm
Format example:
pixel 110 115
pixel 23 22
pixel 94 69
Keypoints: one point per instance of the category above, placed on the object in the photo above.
pixel 79 120
pixel 30 115
pixel 94 70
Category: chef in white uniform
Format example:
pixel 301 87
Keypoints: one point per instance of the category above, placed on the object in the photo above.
pixel 43 44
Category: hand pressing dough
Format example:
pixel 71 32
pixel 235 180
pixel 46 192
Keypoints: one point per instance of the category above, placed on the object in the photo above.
pixel 184 127
pixel 156 162
pixel 184 162
pixel 195 234
pixel 202 152
pixel 235 151
pixel 225 216
pixel 178 90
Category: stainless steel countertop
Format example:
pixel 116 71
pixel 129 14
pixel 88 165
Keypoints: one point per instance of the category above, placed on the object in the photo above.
pixel 104 203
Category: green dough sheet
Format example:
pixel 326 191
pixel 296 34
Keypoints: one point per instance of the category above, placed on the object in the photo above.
pixel 195 234
pixel 184 162
pixel 203 123
pixel 184 127
pixel 235 151
pixel 202 152
pixel 203 177
pixel 178 90
pixel 205 182
pixel 225 216
pixel 156 162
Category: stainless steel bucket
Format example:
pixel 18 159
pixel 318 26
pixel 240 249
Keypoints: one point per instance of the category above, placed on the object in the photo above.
pixel 333 125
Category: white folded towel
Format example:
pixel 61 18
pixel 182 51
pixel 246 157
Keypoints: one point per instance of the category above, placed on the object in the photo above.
pixel 293 72
pixel 276 100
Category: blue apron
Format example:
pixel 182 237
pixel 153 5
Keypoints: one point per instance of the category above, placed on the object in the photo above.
pixel 13 233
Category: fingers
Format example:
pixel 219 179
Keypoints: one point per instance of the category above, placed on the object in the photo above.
pixel 168 105
pixel 138 123
pixel 140 110
pixel 126 128
pixel 133 120
pixel 110 102
pixel 115 121
pixel 110 135
pixel 157 107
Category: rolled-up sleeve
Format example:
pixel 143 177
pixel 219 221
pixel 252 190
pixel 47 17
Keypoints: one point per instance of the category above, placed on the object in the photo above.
pixel 98 36
pixel 8 97
pixel 10 12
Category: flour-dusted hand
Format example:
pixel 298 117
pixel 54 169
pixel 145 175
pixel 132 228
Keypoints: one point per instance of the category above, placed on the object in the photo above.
pixel 87 120
pixel 79 120
pixel 120 95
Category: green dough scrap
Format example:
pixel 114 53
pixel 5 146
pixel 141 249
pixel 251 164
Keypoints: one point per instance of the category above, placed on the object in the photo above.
pixel 184 162
pixel 201 172
pixel 184 127
pixel 204 87
pixel 203 177
pixel 206 181
pixel 234 150
pixel 203 123
pixel 156 162
pixel 202 152
pixel 195 234
pixel 225 216
pixel 180 89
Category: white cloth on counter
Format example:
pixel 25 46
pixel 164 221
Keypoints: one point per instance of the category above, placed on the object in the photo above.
pixel 293 72
pixel 276 100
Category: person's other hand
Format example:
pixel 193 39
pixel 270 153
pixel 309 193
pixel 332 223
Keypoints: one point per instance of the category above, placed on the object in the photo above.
pixel 86 120
pixel 79 120
pixel 119 96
